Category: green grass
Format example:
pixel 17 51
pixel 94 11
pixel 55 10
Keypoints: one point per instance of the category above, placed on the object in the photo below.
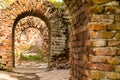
pixel 37 57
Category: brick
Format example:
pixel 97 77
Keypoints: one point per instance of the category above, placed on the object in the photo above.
pixel 98 43
pixel 113 43
pixel 112 10
pixel 97 9
pixel 114 60
pixel 84 72
pixel 113 3
pixel 117 36
pixel 101 1
pixel 101 67
pixel 102 18
pixel 115 26
pixel 117 18
pixel 102 34
pixel 104 51
pixel 118 52
pixel 113 75
pixel 96 74
pixel 117 68
pixel 96 27
pixel 98 59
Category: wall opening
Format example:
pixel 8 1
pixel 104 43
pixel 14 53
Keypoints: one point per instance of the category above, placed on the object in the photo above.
pixel 31 44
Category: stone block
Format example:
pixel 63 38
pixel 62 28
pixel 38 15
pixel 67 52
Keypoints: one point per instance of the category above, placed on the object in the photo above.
pixel 101 67
pixel 102 34
pixel 117 36
pixel 98 59
pixel 96 27
pixel 113 75
pixel 97 9
pixel 118 52
pixel 98 43
pixel 114 60
pixel 113 43
pixel 104 51
pixel 112 10
pixel 113 3
pixel 117 68
pixel 117 18
pixel 96 74
pixel 115 26
pixel 101 1
pixel 102 18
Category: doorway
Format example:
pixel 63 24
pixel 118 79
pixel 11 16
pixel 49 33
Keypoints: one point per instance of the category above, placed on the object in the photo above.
pixel 31 43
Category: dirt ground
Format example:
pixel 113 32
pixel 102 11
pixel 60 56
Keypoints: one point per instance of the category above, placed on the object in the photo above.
pixel 54 74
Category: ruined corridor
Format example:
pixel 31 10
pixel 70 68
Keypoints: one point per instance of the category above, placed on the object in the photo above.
pixel 79 37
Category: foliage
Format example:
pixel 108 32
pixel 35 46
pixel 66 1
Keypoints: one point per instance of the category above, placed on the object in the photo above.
pixel 40 52
pixel 37 57
pixel 56 3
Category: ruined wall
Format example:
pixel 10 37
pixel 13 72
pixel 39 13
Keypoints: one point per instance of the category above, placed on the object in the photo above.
pixel 104 40
pixel 94 44
pixel 78 38
pixel 44 10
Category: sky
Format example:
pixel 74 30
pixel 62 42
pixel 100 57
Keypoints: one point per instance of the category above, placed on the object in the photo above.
pixel 59 0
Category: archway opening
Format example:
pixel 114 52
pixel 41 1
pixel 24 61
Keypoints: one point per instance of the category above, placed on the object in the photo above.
pixel 31 43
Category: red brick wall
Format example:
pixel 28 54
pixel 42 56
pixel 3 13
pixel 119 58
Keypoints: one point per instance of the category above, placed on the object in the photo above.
pixel 94 48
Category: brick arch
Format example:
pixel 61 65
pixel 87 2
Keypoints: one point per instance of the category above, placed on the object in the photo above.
pixel 30 23
pixel 15 12
pixel 35 13
pixel 40 13
pixel 36 23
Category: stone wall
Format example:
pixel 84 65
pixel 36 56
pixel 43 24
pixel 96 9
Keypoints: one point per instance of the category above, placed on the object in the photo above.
pixel 104 40
pixel 94 41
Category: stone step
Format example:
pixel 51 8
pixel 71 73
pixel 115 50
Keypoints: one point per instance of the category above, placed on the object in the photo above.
pixel 28 70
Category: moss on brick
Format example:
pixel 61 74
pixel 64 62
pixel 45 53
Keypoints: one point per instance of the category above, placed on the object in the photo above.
pixel 96 9
pixel 117 36
pixel 96 74
pixel 113 75
pixel 115 26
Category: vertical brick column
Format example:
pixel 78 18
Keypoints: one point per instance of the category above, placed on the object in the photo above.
pixel 78 39
pixel 104 28
pixel 5 41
